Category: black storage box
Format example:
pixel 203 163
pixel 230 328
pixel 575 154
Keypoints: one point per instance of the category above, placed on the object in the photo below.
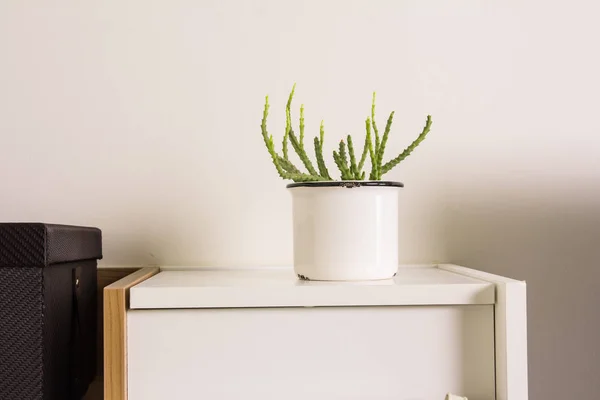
pixel 48 310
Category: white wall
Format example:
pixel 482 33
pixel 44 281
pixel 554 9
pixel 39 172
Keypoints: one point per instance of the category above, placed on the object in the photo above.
pixel 142 118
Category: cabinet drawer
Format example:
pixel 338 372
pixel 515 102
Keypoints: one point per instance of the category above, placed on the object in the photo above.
pixel 376 353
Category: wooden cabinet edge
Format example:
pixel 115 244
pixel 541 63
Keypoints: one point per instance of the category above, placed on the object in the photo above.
pixel 116 302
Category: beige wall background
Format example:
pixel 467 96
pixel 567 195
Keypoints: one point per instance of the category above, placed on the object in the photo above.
pixel 142 118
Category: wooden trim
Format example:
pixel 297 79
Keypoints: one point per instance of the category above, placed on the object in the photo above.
pixel 510 314
pixel 106 276
pixel 116 303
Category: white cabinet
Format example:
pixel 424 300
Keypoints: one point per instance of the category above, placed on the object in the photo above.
pixel 264 334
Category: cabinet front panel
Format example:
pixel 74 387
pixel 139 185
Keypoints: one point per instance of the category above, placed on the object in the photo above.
pixel 374 353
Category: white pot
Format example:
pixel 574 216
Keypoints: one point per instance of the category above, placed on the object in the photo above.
pixel 345 230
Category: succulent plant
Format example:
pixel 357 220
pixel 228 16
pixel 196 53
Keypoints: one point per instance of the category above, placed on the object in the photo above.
pixel 344 157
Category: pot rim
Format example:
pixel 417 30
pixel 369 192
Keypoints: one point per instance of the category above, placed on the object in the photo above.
pixel 345 184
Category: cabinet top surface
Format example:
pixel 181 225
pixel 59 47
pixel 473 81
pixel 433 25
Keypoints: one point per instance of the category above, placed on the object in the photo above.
pixel 279 287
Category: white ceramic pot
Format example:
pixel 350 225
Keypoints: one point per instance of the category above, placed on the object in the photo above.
pixel 345 230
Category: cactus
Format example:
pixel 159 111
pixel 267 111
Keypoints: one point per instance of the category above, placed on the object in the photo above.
pixel 342 161
pixel 384 140
pixel 363 157
pixel 392 163
pixel 349 169
pixel 298 146
pixel 375 130
pixel 353 166
pixel 289 172
pixel 288 122
pixel 373 175
pixel 320 160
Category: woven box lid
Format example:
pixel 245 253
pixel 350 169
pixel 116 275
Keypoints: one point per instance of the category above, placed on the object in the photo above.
pixel 42 245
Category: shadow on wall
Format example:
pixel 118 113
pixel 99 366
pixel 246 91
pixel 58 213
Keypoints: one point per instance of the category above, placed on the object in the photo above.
pixel 551 239
pixel 143 238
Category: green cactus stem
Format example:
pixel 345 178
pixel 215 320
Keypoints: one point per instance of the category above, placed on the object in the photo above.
pixel 321 134
pixel 288 165
pixel 288 122
pixel 384 140
pixel 363 157
pixel 299 149
pixel 297 143
pixel 285 168
pixel 392 163
pixel 353 167
pixel 341 161
pixel 345 175
pixel 375 130
pixel 320 160
pixel 302 123
pixel 343 155
pixel 369 142
pixel 304 178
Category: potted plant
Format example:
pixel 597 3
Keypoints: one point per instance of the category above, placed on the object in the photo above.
pixel 344 229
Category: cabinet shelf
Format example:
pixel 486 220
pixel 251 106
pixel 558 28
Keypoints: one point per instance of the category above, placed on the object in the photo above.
pixel 279 287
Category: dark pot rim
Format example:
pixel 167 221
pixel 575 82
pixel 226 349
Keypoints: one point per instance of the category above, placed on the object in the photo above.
pixel 345 184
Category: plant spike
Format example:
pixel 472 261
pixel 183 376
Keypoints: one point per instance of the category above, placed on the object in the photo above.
pixel 304 178
pixel 320 160
pixel 384 140
pixel 392 163
pixel 293 172
pixel 343 154
pixel 298 143
pixel 287 165
pixel 302 123
pixel 269 139
pixel 353 167
pixel 377 143
pixel 275 158
pixel 369 143
pixel 341 166
pixel 295 176
pixel 321 135
pixel 363 157
pixel 299 148
pixel 342 161
pixel 288 122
